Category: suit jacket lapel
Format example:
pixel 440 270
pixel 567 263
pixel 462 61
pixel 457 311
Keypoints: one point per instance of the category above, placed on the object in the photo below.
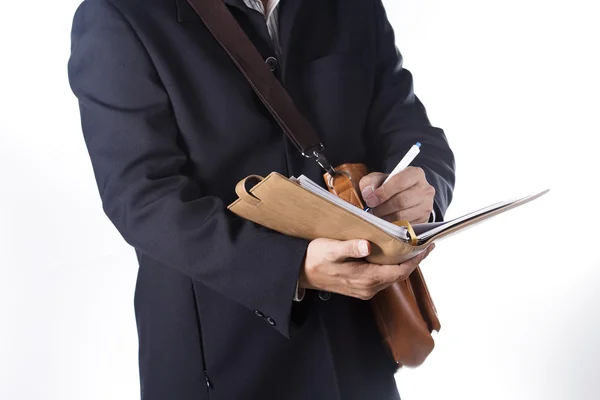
pixel 288 13
pixel 185 12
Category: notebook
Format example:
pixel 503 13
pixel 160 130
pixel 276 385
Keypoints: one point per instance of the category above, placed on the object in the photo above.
pixel 425 231
pixel 301 208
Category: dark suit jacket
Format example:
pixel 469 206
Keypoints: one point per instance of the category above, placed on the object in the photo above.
pixel 171 126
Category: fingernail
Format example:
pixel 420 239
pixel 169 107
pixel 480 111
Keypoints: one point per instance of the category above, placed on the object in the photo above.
pixel 369 198
pixel 372 201
pixel 363 248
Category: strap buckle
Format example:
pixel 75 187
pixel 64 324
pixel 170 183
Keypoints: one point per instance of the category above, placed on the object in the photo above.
pixel 319 156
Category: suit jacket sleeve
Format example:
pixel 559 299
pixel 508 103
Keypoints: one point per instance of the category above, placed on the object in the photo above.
pixel 397 120
pixel 132 139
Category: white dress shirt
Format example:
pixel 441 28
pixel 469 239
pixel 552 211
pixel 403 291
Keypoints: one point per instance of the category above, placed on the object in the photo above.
pixel 271 15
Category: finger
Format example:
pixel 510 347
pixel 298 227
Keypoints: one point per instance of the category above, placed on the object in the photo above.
pixel 342 250
pixel 414 215
pixel 399 202
pixel 422 256
pixel 388 274
pixel 390 271
pixel 370 182
pixel 407 267
pixel 408 178
pixel 404 180
pixel 410 215
pixel 369 279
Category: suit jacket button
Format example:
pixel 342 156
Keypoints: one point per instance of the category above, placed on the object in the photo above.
pixel 271 321
pixel 324 295
pixel 272 63
pixel 259 314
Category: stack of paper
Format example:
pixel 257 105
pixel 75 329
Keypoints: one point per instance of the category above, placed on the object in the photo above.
pixel 423 231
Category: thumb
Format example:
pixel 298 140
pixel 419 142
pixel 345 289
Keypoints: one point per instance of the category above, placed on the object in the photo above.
pixel 370 182
pixel 342 250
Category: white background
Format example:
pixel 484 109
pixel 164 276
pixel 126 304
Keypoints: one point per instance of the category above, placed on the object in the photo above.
pixel 515 85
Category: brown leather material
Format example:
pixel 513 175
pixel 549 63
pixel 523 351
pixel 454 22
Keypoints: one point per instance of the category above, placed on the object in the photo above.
pixel 400 320
pixel 404 312
pixel 355 170
pixel 242 192
pixel 421 291
pixel 342 186
pixel 345 184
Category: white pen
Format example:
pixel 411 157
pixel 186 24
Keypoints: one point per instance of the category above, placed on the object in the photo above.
pixel 405 162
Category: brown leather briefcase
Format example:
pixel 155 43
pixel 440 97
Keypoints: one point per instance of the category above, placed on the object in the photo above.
pixel 405 313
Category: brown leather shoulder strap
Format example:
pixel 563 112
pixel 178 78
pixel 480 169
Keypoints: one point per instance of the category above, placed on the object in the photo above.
pixel 225 29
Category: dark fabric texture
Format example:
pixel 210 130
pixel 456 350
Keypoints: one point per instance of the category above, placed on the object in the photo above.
pixel 171 126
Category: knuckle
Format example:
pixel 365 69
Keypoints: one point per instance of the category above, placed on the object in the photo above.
pixel 366 295
pixel 403 276
pixel 393 217
pixel 350 250
pixel 330 255
pixel 381 191
pixel 408 267
pixel 418 171
pixel 431 190
pixel 311 269
pixel 413 266
pixel 358 284
pixel 429 209
pixel 398 216
pixel 362 283
pixel 400 199
pixel 364 182
pixel 375 281
pixel 406 199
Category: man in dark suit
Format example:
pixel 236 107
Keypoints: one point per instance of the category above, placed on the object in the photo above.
pixel 171 126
